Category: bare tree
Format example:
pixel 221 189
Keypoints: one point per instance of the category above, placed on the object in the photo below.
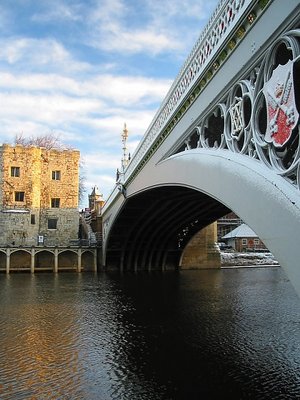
pixel 48 141
pixel 82 180
pixel 51 141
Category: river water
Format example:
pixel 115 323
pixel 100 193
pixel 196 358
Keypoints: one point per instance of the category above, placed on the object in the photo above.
pixel 230 333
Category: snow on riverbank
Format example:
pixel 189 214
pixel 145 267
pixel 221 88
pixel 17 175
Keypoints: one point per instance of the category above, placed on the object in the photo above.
pixel 247 259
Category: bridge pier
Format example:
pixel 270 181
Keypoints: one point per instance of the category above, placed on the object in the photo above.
pixel 56 260
pixel 7 261
pixel 32 265
pixel 201 252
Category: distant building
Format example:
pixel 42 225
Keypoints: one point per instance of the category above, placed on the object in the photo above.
pixel 227 223
pixel 38 196
pixel 96 201
pixel 243 238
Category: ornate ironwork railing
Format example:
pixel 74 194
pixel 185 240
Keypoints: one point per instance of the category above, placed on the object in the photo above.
pixel 259 116
pixel 221 25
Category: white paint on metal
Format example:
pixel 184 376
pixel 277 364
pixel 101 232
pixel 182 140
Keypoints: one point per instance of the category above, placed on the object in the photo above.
pixel 265 201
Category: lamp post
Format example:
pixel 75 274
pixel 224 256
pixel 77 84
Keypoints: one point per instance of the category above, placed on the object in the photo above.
pixel 124 160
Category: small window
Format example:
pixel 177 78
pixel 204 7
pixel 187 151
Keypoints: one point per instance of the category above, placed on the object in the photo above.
pixel 244 242
pixel 19 196
pixel 32 219
pixel 56 175
pixel 15 172
pixel 256 242
pixel 55 202
pixel 52 223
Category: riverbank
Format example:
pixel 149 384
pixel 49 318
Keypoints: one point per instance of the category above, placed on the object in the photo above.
pixel 235 259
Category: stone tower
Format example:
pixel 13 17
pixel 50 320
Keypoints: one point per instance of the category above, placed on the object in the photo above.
pixel 96 201
pixel 38 195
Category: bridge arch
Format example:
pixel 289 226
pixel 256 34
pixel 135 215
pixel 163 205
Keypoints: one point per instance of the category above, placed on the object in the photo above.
pixel 44 259
pixel 88 260
pixel 2 260
pixel 67 259
pixel 154 226
pixel 20 259
pixel 224 181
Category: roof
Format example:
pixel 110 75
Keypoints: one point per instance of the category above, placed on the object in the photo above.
pixel 241 231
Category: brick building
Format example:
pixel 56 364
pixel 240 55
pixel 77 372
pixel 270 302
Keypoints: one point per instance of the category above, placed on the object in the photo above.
pixel 38 195
pixel 243 238
pixel 228 223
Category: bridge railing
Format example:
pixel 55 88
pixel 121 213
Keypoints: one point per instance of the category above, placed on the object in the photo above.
pixel 222 23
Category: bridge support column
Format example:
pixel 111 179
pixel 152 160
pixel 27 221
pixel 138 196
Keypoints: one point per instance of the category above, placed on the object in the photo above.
pixel 95 260
pixel 32 261
pixel 201 252
pixel 79 261
pixel 56 260
pixel 7 260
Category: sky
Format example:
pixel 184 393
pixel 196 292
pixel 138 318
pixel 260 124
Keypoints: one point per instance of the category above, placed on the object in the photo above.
pixel 80 69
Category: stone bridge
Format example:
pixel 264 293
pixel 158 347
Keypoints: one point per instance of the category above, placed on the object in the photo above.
pixel 47 258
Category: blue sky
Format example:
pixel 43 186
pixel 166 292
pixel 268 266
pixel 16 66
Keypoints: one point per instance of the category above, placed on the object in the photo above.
pixel 80 69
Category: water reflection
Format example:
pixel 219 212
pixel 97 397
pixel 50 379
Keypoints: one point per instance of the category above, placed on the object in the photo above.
pixel 188 335
pixel 38 340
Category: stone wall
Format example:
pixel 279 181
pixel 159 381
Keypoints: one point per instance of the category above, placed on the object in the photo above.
pixel 16 228
pixel 1 175
pixel 27 159
pixel 201 251
pixel 24 219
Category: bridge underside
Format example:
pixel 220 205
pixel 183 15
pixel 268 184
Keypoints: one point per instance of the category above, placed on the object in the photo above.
pixel 154 226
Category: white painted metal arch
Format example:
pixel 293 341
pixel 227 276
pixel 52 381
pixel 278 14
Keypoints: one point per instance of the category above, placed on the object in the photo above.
pixel 265 201
pixel 252 177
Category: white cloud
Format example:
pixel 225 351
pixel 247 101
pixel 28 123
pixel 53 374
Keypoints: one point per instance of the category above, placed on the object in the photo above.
pixel 159 26
pixel 107 11
pixel 126 41
pixel 123 90
pixel 100 170
pixel 129 90
pixel 113 32
pixel 101 160
pixel 46 108
pixel 77 84
pixel 12 127
pixel 33 105
pixel 39 53
pixel 179 9
pixel 112 123
pixel 57 10
pixel 39 82
pixel 104 182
